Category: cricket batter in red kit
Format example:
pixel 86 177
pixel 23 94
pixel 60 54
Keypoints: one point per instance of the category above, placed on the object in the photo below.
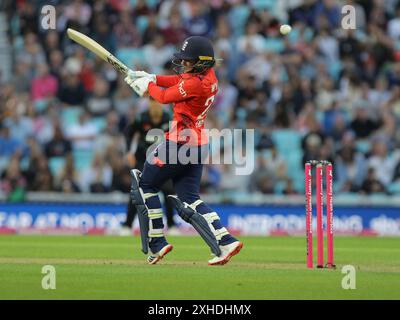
pixel 181 156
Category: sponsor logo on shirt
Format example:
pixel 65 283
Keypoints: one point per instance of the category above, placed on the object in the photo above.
pixel 181 90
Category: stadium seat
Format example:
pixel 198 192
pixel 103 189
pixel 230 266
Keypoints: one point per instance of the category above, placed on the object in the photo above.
pixel 394 187
pixel 294 36
pixel 363 146
pixel 288 143
pixel 274 45
pixel 4 163
pixel 99 122
pixel 334 69
pixel 263 4
pixel 238 17
pixel 151 3
pixel 279 187
pixel 24 163
pixel 286 140
pixel 295 169
pixel 319 115
pixel 56 164
pixel 82 158
pixel 142 23
pixel 70 115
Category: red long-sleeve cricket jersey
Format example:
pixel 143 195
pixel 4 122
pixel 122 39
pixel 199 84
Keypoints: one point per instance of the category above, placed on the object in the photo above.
pixel 192 95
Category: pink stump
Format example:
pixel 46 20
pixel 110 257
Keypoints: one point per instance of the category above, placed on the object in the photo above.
pixel 309 234
pixel 319 203
pixel 329 214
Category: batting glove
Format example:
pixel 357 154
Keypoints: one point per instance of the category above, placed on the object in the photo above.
pixel 134 75
pixel 140 85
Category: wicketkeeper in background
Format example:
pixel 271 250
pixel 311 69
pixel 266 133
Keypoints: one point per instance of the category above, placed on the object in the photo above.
pixel 192 93
pixel 138 138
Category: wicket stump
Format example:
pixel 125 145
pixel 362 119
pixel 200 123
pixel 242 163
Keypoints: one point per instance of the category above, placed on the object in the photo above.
pixel 319 168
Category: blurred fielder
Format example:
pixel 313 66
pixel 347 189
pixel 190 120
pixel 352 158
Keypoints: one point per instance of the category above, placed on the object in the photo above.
pixel 192 93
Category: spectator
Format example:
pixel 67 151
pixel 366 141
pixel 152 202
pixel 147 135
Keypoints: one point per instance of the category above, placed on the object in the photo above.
pixel 126 33
pixel 151 30
pixel 263 179
pixel 276 164
pixel 68 179
pixel 102 33
pixel 328 46
pixel 98 177
pixel 51 42
pixel 83 134
pixel 22 78
pixel 43 178
pixel 21 127
pixel 123 100
pixel 157 54
pixel 45 85
pixel 78 12
pixel 59 146
pixel 110 136
pixel 71 91
pixel 330 10
pixel 32 53
pixel 337 90
pixel 393 26
pixel 28 18
pixel 289 188
pixel 362 125
pixel 371 184
pixel 199 23
pixel 99 103
pixel 56 60
pixel 382 162
pixel 174 33
pixel 8 144
pixel 12 182
pixel 350 167
pixel 121 180
pixel 252 42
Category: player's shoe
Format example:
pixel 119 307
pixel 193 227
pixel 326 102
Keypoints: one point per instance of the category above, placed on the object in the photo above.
pixel 155 257
pixel 228 252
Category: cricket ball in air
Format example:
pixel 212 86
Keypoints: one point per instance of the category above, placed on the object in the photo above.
pixel 285 29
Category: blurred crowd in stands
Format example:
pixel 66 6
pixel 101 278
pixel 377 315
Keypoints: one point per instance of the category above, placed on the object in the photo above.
pixel 321 92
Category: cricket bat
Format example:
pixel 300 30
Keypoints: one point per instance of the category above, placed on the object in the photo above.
pixel 97 49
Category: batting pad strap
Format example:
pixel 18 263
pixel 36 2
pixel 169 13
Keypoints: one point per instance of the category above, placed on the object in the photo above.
pixel 211 217
pixel 196 203
pixel 149 195
pixel 221 232
pixel 153 216
pixel 156 233
pixel 155 213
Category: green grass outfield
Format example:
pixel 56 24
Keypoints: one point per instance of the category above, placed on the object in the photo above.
pixel 89 267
